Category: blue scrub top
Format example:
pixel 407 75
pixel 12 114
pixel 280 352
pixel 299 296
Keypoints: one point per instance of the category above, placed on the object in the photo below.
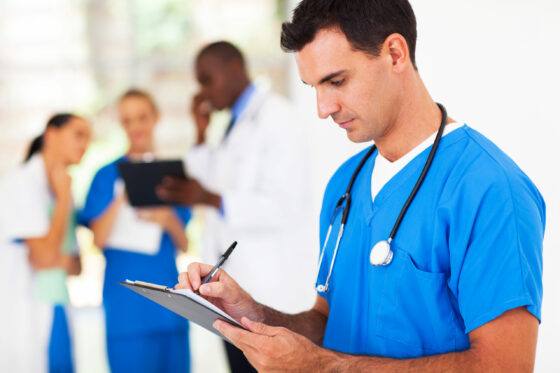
pixel 468 249
pixel 127 313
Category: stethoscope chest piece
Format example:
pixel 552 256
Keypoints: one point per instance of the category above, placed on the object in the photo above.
pixel 321 288
pixel 381 254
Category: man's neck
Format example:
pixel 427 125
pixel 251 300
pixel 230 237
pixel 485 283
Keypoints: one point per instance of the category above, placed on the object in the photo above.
pixel 244 83
pixel 418 117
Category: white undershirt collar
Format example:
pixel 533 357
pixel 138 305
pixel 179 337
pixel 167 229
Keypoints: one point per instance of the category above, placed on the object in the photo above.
pixel 384 170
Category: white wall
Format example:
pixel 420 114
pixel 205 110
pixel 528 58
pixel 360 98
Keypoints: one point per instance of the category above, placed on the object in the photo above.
pixel 494 64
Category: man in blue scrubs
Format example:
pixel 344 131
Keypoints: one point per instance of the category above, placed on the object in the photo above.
pixel 463 289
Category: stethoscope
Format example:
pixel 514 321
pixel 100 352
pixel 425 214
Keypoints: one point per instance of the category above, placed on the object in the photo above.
pixel 381 253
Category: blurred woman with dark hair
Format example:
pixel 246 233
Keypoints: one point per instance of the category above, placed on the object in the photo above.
pixel 137 244
pixel 39 249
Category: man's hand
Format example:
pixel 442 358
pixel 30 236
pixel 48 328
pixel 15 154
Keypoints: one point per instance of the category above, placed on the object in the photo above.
pixel 187 192
pixel 201 110
pixel 222 291
pixel 273 349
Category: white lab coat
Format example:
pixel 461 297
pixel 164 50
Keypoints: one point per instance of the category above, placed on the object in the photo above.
pixel 261 172
pixel 25 322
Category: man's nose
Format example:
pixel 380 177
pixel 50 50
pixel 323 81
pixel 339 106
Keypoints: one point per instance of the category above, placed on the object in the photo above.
pixel 327 105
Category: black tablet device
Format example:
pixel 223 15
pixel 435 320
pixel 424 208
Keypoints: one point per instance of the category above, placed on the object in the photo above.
pixel 142 178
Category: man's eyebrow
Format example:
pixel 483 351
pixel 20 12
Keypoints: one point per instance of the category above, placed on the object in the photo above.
pixel 327 77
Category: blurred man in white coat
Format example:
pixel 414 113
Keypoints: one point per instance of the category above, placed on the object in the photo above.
pixel 255 184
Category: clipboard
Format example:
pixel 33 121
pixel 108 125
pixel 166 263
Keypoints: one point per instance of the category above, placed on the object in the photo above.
pixel 184 303
pixel 141 179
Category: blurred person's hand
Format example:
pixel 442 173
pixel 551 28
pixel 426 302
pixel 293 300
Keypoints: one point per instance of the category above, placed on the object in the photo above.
pixel 61 182
pixel 201 110
pixel 71 264
pixel 223 291
pixel 187 192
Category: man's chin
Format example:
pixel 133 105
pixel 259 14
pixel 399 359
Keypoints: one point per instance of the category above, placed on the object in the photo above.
pixel 356 136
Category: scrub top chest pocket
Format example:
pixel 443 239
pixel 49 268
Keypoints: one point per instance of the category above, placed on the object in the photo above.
pixel 412 307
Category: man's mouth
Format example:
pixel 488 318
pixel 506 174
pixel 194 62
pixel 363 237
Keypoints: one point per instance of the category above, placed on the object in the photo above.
pixel 345 124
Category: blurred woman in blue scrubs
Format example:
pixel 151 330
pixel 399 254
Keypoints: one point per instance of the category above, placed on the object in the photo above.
pixel 138 244
pixel 40 249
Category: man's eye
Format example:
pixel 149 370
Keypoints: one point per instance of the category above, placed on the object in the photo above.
pixel 337 83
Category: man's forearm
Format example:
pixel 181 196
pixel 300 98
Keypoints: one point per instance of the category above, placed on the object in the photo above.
pixel 470 360
pixel 330 361
pixel 310 324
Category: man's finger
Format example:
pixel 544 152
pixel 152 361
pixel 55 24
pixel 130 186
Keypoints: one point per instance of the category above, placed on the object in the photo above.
pixel 241 338
pixel 213 290
pixel 183 281
pixel 172 188
pixel 259 327
pixel 174 183
pixel 196 271
pixel 168 192
pixel 163 193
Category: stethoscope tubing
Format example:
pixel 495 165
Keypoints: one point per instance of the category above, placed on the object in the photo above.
pixel 345 200
pixel 423 174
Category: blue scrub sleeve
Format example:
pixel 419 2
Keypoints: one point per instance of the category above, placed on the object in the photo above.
pixel 496 236
pixel 99 197
pixel 184 214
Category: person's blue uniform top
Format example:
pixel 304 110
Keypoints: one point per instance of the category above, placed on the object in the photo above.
pixel 126 313
pixel 468 249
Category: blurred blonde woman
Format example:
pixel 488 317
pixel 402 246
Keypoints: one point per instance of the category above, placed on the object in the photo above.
pixel 141 335
pixel 39 250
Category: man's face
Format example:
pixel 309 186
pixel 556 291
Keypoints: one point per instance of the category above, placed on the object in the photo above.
pixel 355 89
pixel 212 75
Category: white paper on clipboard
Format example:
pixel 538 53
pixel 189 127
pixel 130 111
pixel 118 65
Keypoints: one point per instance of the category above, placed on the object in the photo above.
pixel 131 233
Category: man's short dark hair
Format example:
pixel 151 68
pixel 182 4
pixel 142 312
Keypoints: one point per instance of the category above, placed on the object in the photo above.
pixel 223 50
pixel 365 23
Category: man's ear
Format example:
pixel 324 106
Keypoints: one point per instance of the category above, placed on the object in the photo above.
pixel 396 47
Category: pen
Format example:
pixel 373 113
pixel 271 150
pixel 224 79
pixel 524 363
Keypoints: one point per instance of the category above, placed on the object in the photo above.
pixel 218 265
